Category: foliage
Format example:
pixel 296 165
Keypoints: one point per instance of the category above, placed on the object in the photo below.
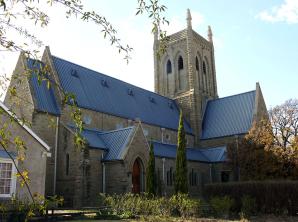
pixel 273 197
pixel 181 162
pixel 23 209
pixel 248 206
pixel 130 205
pixel 185 206
pixel 259 157
pixel 222 205
pixel 150 177
pixel 154 11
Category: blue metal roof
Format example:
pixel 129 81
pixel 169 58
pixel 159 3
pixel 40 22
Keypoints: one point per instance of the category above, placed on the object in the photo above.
pixel 102 93
pixel 94 139
pixel 215 154
pixel 114 142
pixel 207 155
pixel 3 154
pixel 232 115
pixel 45 98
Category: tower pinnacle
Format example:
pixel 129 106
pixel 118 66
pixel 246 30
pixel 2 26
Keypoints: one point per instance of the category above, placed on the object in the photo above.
pixel 188 18
pixel 210 35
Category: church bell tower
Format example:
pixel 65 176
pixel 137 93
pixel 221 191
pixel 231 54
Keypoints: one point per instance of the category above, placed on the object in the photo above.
pixel 186 72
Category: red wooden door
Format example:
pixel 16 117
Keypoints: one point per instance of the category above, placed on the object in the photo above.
pixel 136 177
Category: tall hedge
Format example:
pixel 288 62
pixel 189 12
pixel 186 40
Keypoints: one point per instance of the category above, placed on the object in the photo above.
pixel 150 178
pixel 181 162
pixel 272 197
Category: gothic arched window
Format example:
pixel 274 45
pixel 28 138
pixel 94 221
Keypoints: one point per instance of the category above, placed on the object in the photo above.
pixel 169 67
pixel 204 68
pixel 180 63
pixel 197 64
pixel 170 177
pixel 67 164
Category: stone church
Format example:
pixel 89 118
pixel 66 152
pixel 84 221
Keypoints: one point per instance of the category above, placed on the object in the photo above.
pixel 121 120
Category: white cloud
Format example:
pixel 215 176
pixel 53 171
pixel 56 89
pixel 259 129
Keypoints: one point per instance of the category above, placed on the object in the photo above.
pixel 286 12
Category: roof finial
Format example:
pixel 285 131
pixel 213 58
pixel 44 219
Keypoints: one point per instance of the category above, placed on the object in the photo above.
pixel 210 34
pixel 188 18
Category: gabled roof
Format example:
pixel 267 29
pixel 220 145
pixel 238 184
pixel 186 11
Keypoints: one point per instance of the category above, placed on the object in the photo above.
pixel 232 115
pixel 206 155
pixel 114 142
pixel 102 93
pixel 45 100
pixel 18 121
pixel 117 141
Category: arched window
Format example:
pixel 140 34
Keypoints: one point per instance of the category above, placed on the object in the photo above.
pixel 204 68
pixel 197 64
pixel 67 164
pixel 169 67
pixel 180 63
pixel 193 178
pixel 205 76
pixel 170 177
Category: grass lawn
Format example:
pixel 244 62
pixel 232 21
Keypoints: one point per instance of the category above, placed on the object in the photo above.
pixel 267 218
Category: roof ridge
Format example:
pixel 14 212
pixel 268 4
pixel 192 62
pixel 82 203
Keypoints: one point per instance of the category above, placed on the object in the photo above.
pixel 116 130
pixel 196 148
pixel 155 141
pixel 99 73
pixel 100 132
pixel 225 97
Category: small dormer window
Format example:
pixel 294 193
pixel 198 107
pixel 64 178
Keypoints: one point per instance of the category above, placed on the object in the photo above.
pixel 74 73
pixel 170 104
pixel 130 92
pixel 169 67
pixel 87 119
pixel 104 83
pixel 151 99
pixel 180 63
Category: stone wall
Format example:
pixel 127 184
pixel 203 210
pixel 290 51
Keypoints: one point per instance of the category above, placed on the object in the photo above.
pixel 221 141
pixel 21 103
pixel 117 177
pixel 201 169
pixel 79 181
pixel 35 158
pixel 44 125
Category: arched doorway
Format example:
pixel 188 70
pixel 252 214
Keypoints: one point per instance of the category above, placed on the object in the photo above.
pixel 136 177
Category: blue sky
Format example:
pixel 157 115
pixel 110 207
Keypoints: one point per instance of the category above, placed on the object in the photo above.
pixel 255 41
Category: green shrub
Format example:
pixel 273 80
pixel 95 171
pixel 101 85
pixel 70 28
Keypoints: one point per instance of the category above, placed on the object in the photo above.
pixel 185 206
pixel 248 207
pixel 130 205
pixel 222 205
pixel 271 197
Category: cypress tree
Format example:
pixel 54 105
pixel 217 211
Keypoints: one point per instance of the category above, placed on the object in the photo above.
pixel 181 162
pixel 150 179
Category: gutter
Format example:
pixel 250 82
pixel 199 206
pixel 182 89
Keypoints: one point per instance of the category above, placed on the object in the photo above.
pixel 56 149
